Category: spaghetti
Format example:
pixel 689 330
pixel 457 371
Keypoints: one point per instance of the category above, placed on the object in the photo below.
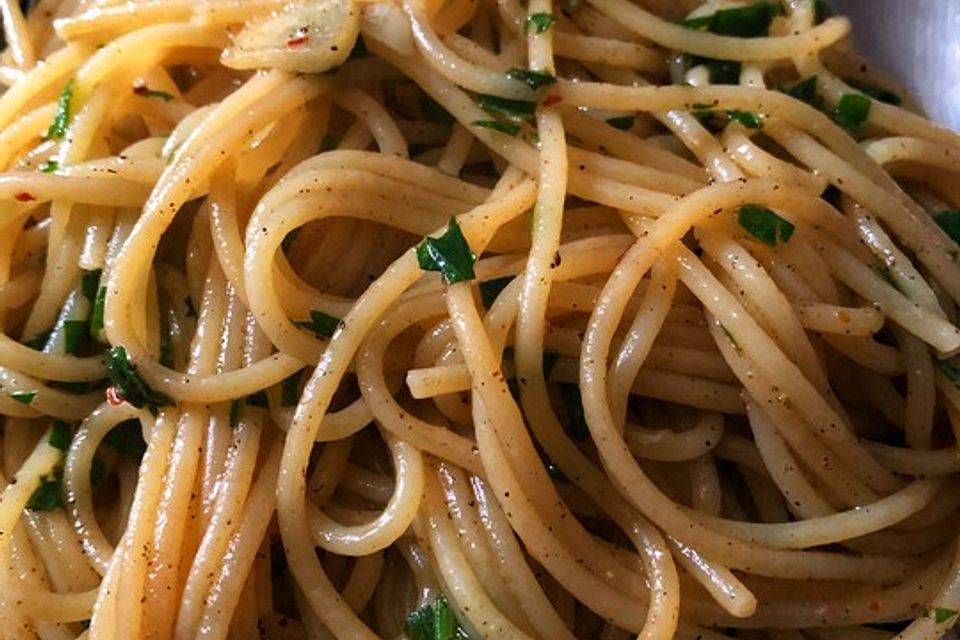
pixel 343 319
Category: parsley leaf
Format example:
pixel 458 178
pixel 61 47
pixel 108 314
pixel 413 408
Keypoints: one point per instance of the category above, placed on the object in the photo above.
pixel 61 119
pixel 497 125
pixel 749 119
pixel 805 91
pixel 24 397
pixel 516 109
pixel 537 23
pixel 89 284
pixel 490 289
pixel 50 166
pixel 39 341
pixel 764 225
pixel 61 434
pixel 322 324
pixel 949 369
pixel 941 614
pixel 752 21
pixel 74 331
pixel 48 496
pixel 852 112
pixel 530 77
pixel 146 92
pixel 133 389
pixel 721 71
pixel 434 622
pixel 449 254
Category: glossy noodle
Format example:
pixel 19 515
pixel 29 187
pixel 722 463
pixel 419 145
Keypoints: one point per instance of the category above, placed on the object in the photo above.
pixel 446 319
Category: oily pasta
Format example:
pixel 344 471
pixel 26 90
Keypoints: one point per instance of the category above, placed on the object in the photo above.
pixel 454 319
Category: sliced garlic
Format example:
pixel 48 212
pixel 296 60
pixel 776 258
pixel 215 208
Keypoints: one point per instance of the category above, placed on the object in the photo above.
pixel 310 36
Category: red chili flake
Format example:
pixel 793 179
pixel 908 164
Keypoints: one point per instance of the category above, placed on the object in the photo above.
pixel 23 196
pixel 114 397
pixel 298 41
pixel 551 100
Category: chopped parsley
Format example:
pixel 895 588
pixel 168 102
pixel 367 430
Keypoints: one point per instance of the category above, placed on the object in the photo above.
pixel 537 23
pixel 490 289
pixel 24 397
pixel 852 112
pixel 144 91
pixel 751 21
pixel 805 91
pixel 39 341
pixel 720 71
pixel 942 614
pixel 764 225
pixel 48 496
pixel 449 254
pixel 531 77
pixel 749 119
pixel 516 109
pixel 89 284
pixel 624 123
pixel 498 125
pixel 949 369
pixel 733 341
pixel 74 332
pixel 61 119
pixel 61 434
pixel 50 166
pixel 131 386
pixel 434 622
pixel 322 324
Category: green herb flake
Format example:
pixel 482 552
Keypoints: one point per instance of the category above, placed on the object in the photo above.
pixel 322 324
pixel 874 91
pixel 531 77
pixel 127 439
pixel 144 91
pixel 96 316
pixel 538 23
pixel 39 341
pixel 61 119
pixel 490 289
pixel 290 391
pixel 805 91
pixel 949 221
pixel 624 123
pixel 852 112
pixel 48 496
pixel 733 341
pixel 435 621
pixel 24 397
pixel 720 71
pixel 764 225
pixel 516 109
pixel 433 111
pixel 752 21
pixel 573 403
pixel 941 614
pixel 61 434
pixel 50 166
pixel 74 331
pixel 497 125
pixel 134 390
pixel 449 254
pixel 89 284
pixel 749 119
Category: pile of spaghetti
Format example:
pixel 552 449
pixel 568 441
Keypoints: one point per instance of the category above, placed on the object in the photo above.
pixel 454 319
